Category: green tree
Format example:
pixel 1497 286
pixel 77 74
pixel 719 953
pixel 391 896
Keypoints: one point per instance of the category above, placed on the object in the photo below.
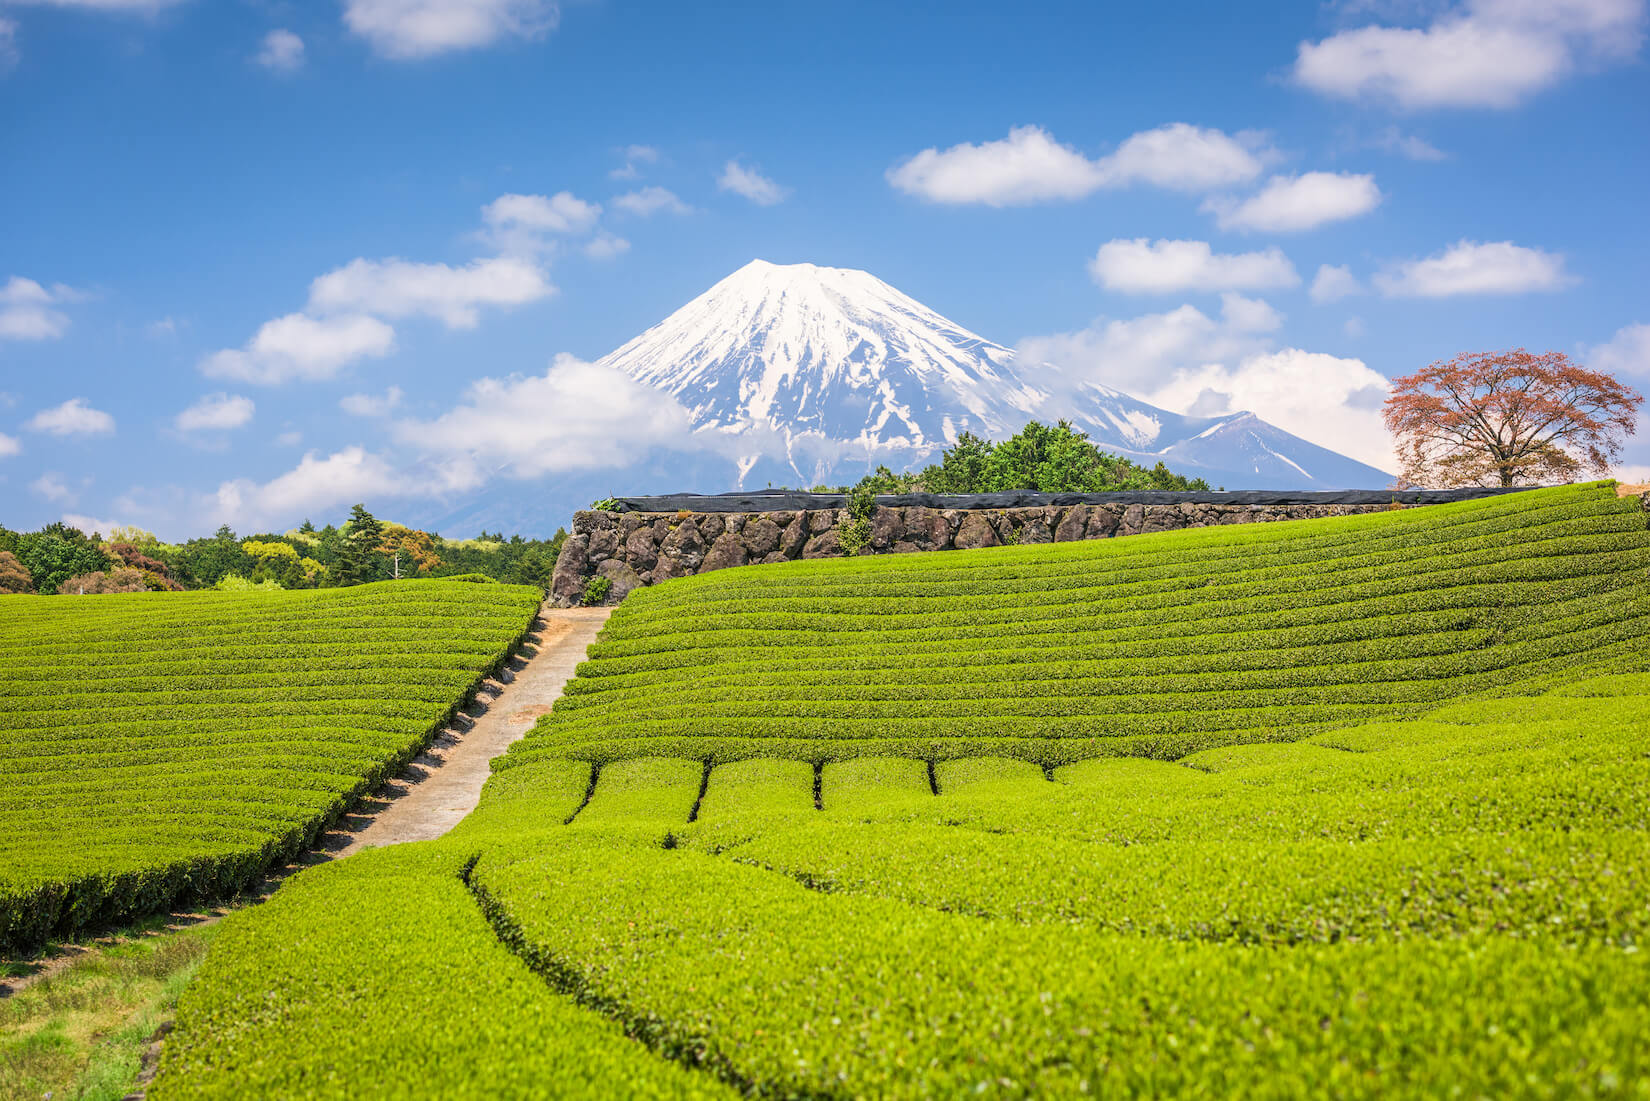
pixel 360 555
pixel 58 552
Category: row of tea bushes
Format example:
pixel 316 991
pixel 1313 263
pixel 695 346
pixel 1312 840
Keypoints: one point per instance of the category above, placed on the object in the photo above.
pixel 169 746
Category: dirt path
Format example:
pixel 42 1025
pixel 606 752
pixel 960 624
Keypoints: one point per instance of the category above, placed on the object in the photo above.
pixel 431 794
pixel 443 784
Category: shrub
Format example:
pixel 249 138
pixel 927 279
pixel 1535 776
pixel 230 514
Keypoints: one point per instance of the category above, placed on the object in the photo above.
pixel 596 590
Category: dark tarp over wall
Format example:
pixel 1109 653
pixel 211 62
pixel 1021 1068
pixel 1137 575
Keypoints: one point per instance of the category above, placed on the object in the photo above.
pixel 788 501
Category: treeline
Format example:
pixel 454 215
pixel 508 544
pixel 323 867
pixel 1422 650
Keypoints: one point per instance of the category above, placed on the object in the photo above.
pixel 63 559
pixel 1057 459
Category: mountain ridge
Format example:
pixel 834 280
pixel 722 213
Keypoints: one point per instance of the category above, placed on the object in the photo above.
pixel 843 371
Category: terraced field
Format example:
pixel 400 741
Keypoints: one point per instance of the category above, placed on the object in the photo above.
pixel 156 747
pixel 1355 807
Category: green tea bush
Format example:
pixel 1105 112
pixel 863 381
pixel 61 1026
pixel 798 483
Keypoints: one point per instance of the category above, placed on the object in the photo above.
pixel 1352 808
pixel 171 746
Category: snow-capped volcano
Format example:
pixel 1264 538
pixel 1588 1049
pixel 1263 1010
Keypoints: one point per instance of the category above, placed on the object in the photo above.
pixel 828 370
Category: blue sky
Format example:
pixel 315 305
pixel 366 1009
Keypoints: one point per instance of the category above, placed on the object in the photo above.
pixel 254 254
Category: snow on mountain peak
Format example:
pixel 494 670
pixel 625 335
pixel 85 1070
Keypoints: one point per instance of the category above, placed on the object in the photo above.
pixel 841 368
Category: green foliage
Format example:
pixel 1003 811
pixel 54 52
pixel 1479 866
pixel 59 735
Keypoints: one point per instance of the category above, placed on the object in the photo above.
pixel 169 746
pixel 854 533
pixel 235 583
pixel 596 590
pixel 1056 459
pixel 58 552
pixel 1350 808
pixel 604 504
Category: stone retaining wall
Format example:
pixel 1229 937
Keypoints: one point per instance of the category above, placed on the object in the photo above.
pixel 631 549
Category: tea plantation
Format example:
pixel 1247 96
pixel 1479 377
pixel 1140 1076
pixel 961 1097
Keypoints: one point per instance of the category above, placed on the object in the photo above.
pixel 169 746
pixel 1354 807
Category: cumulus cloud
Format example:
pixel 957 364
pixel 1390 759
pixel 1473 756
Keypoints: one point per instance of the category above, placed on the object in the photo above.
pixel 413 29
pixel 1468 267
pixel 28 310
pixel 1484 53
pixel 562 212
pixel 1289 204
pixel 1186 361
pixel 397 288
pixel 1625 353
pixel 751 184
pixel 344 477
pixel 634 157
pixel 73 418
pixel 299 347
pixel 1393 140
pixel 605 246
pixel 52 487
pixel 215 413
pixel 10 445
pixel 575 416
pixel 281 52
pixel 1029 166
pixel 1333 283
pixel 651 200
pixel 1140 266
pixel 372 405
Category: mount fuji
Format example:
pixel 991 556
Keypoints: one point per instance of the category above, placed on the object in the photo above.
pixel 813 374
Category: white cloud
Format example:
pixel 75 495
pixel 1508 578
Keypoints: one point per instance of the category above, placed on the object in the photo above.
pixel 398 288
pixel 1625 353
pixel 372 405
pixel 634 156
pixel 8 43
pixel 1182 157
pixel 1393 140
pixel 651 200
pixel 26 310
pixel 1189 362
pixel 562 212
pixel 410 29
pixel 605 246
pixel 751 184
pixel 344 477
pixel 10 445
pixel 52 487
pixel 1029 166
pixel 1327 400
pixel 281 52
pixel 1353 327
pixel 290 438
pixel 1333 283
pixel 73 418
pixel 91 524
pixel 299 347
pixel 215 413
pixel 1467 267
pixel 1289 204
pixel 576 416
pixel 1485 53
pixel 1139 266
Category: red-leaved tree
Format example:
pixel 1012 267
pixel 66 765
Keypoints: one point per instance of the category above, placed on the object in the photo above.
pixel 1506 419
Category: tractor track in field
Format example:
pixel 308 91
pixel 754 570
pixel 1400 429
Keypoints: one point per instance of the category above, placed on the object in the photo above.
pixel 432 793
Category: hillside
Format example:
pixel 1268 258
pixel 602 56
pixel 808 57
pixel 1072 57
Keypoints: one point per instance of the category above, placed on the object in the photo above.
pixel 1351 807
pixel 161 747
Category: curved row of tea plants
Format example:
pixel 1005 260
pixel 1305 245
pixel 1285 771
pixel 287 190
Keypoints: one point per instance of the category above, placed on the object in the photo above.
pixel 1422 893
pixel 162 746
pixel 1154 645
